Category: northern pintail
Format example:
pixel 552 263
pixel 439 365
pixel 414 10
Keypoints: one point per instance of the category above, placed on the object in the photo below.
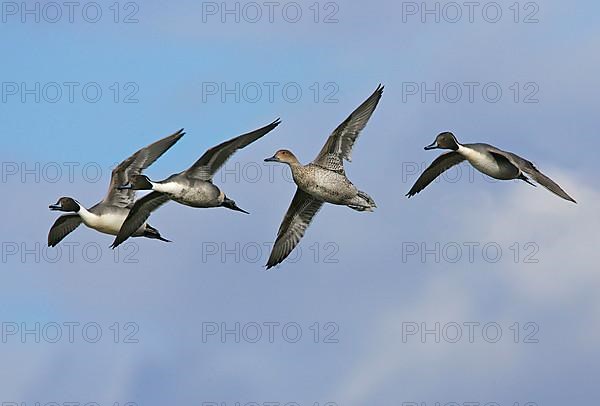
pixel 485 158
pixel 322 181
pixel 192 187
pixel 108 215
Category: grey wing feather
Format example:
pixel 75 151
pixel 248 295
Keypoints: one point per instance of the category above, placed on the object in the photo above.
pixel 506 163
pixel 437 167
pixel 135 165
pixel 295 222
pixel 339 144
pixel 138 214
pixel 529 168
pixel 62 227
pixel 209 163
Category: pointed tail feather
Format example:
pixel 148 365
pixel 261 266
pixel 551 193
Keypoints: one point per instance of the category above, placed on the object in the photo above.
pixel 549 184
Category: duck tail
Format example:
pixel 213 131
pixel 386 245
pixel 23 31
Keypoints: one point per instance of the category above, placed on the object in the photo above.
pixel 151 232
pixel 527 180
pixel 365 202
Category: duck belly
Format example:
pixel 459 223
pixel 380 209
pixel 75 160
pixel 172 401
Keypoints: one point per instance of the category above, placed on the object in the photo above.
pixel 328 186
pixel 203 194
pixel 486 163
pixel 109 223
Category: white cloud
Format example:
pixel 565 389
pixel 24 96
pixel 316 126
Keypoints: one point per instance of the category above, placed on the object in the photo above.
pixel 564 285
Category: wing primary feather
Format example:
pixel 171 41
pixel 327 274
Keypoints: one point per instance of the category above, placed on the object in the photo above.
pixel 213 159
pixel 338 146
pixel 295 222
pixel 135 165
pixel 62 227
pixel 437 167
pixel 138 214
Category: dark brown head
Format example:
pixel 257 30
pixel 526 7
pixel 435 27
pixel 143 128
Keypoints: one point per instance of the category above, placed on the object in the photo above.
pixel 445 140
pixel 283 156
pixel 65 204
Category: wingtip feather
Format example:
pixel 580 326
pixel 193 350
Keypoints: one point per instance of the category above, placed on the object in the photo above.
pixel 179 134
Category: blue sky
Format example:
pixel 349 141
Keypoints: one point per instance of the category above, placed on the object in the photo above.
pixel 355 271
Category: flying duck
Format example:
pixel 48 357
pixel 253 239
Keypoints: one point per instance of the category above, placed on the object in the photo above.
pixel 322 181
pixel 108 215
pixel 193 187
pixel 485 158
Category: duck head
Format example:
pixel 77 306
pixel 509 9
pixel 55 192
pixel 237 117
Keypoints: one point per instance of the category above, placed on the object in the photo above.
pixel 445 140
pixel 283 156
pixel 65 204
pixel 137 182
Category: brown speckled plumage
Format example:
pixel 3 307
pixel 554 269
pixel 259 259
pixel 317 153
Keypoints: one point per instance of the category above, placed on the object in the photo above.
pixel 323 180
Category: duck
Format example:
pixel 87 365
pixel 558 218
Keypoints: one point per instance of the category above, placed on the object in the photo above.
pixel 108 215
pixel 322 181
pixel 488 160
pixel 192 187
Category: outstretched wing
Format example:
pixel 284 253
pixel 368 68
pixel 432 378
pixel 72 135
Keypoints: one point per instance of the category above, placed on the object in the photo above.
pixel 339 144
pixel 138 214
pixel 134 165
pixel 209 163
pixel 529 168
pixel 297 219
pixel 62 227
pixel 437 167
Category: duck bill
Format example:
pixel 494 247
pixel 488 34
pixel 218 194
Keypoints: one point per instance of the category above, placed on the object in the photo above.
pixel 127 186
pixel 433 145
pixel 272 159
pixel 55 207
